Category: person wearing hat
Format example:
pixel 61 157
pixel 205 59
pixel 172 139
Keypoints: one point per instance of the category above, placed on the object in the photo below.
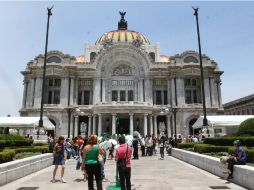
pixel 238 159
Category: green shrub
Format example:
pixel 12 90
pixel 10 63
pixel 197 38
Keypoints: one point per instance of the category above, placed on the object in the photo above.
pixel 186 145
pixel 228 141
pixel 246 127
pixel 11 140
pixel 6 156
pixel 42 149
pixel 205 148
pixel 11 137
pixel 39 144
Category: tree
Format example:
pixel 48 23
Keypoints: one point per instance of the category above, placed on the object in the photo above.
pixel 246 127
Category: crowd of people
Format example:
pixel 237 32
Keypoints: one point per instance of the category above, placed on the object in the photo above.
pixel 91 155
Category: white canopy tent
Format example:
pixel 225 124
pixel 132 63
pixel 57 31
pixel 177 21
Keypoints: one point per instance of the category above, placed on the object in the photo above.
pixel 25 123
pixel 221 120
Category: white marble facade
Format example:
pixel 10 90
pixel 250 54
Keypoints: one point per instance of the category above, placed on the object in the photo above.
pixel 121 77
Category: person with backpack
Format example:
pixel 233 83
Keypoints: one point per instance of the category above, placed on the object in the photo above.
pixel 123 159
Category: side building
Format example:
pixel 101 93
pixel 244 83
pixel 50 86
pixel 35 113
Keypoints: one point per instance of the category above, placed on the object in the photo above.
pixel 123 78
pixel 241 106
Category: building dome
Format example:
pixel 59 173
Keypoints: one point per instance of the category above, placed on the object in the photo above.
pixel 127 36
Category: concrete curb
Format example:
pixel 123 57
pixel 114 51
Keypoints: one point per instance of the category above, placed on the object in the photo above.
pixel 14 170
pixel 243 175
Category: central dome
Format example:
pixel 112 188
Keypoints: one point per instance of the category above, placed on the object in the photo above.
pixel 127 36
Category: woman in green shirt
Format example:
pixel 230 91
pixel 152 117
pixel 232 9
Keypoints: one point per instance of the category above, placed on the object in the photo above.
pixel 90 162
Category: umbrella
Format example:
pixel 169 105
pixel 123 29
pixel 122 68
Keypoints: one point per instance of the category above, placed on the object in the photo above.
pixel 113 141
pixel 129 139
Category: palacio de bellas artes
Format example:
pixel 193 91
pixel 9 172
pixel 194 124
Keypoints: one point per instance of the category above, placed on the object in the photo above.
pixel 121 77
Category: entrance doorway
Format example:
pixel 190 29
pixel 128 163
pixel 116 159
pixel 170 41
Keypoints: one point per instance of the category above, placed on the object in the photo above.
pixel 52 132
pixel 124 126
pixel 191 130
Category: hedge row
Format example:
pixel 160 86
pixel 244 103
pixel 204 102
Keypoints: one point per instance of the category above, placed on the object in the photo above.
pixel 10 143
pixel 8 154
pixel 228 141
pixel 206 148
pixel 11 137
pixel 186 145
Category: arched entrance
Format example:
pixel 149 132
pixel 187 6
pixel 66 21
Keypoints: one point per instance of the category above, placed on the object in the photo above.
pixel 191 130
pixel 52 132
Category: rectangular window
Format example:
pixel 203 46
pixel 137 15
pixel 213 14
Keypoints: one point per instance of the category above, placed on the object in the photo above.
pixel 122 95
pixel 165 97
pixel 51 82
pixel 130 95
pixel 80 98
pixel 57 82
pixel 50 97
pixel 56 97
pixel 158 97
pixel 86 97
pixel 194 82
pixel 195 97
pixel 187 82
pixel 188 96
pixel 114 95
pixel 252 111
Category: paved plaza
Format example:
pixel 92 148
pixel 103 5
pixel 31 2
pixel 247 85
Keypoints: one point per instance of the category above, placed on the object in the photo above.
pixel 147 173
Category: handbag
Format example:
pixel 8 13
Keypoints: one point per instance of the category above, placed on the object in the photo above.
pixel 121 163
pixel 100 159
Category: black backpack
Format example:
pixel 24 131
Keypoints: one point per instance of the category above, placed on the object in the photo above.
pixel 121 163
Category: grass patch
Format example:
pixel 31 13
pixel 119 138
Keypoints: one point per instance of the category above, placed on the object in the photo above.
pixel 26 155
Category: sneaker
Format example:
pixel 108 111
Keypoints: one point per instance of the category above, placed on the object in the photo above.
pixel 52 180
pixel 63 180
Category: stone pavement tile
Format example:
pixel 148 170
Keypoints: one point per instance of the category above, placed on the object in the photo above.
pixel 148 173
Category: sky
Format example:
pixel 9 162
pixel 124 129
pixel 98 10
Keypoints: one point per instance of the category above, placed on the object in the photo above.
pixel 227 36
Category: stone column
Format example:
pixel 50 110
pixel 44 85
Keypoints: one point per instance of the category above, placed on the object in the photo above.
pixel 89 125
pixel 173 97
pixel 168 126
pixel 76 126
pixel 64 91
pixel 151 125
pixel 72 91
pixel 148 91
pixel 145 124
pixel 96 91
pixel 113 123
pixel 155 126
pixel 136 98
pixel 169 92
pixel 131 123
pixel 94 124
pixel 25 94
pixel 103 91
pixel 99 125
pixel 37 94
pixel 141 95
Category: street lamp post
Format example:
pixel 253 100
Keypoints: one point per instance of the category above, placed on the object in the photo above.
pixel 44 71
pixel 174 110
pixel 201 68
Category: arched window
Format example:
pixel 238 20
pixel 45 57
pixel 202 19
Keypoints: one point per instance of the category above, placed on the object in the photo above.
pixel 152 55
pixel 54 59
pixel 190 59
pixel 92 55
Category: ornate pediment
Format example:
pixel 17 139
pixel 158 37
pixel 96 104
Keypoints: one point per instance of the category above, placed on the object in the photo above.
pixel 122 70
